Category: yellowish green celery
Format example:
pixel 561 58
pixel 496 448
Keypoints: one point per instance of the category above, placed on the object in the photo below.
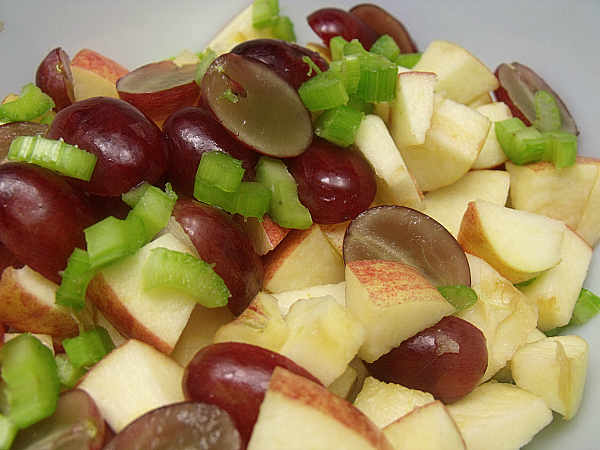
pixel 459 296
pixel 89 347
pixel 154 209
pixel 284 29
pixel 547 112
pixel 339 125
pixel 220 170
pixel 265 13
pixel 75 280
pixel 561 148
pixel 68 375
pixel 408 60
pixel 323 91
pixel 8 432
pixel 386 46
pixel 32 102
pixel 336 47
pixel 206 60
pixel 520 143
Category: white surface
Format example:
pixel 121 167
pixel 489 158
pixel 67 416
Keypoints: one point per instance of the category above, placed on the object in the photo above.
pixel 557 38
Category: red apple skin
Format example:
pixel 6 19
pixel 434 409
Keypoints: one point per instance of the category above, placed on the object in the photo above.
pixel 54 78
pixel 221 241
pixel 448 360
pixel 235 377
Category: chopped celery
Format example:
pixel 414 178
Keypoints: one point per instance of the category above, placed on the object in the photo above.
pixel 547 112
pixel 212 195
pixel 154 209
pixel 378 78
pixel 31 380
pixel 521 144
pixel 68 375
pixel 386 46
pixel 8 432
pixel 75 279
pixel 561 148
pixel 220 170
pixel 133 196
pixel 408 60
pixel 32 102
pixel 353 47
pixel 459 296
pixel 112 239
pixel 336 47
pixel 251 199
pixel 339 125
pixel 285 207
pixel 284 29
pixel 323 91
pixel 348 70
pixel 265 13
pixel 89 347
pixel 176 270
pixel 55 155
pixel 206 60
pixel 586 307
pixel 360 105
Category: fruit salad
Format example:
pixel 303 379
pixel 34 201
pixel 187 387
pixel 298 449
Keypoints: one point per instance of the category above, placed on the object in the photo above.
pixel 432 286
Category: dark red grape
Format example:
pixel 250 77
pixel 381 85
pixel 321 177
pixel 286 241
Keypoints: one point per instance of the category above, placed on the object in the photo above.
pixel 53 77
pixel 192 131
pixel 446 360
pixel 334 183
pixel 42 217
pixel 221 241
pixel 399 233
pixel 186 425
pixel 235 377
pixel 331 22
pixel 129 146
pixel 283 57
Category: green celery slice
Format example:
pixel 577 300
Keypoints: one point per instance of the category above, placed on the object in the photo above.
pixel 75 279
pixel 386 46
pixel 408 60
pixel 176 270
pixel 547 112
pixel 323 91
pixel 336 47
pixel 89 347
pixel 68 375
pixel 459 296
pixel 206 60
pixel 284 29
pixel 521 144
pixel 31 380
pixel 265 13
pixel 561 148
pixel 251 199
pixel 8 432
pixel 32 102
pixel 221 170
pixel 154 209
pixel 339 125
pixel 378 78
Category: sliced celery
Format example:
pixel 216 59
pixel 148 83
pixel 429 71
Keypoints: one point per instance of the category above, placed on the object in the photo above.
pixel 251 199
pixel 547 112
pixel 323 91
pixel 75 279
pixel 339 125
pixel 206 60
pixel 521 144
pixel 353 47
pixel 561 148
pixel 336 47
pixel 31 380
pixel 32 102
pixel 154 209
pixel 586 307
pixel 408 60
pixel 112 239
pixel 212 195
pixel 54 155
pixel 89 347
pixel 284 29
pixel 8 432
pixel 360 104
pixel 386 46
pixel 133 196
pixel 265 13
pixel 285 207
pixel 176 270
pixel 459 296
pixel 221 170
pixel 378 78
pixel 68 375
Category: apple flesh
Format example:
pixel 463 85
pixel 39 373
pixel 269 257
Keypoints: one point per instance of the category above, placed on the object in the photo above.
pixel 95 75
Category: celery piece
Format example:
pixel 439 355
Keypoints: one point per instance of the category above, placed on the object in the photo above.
pixel 547 112
pixel 252 199
pixel 31 380
pixel 212 195
pixel 68 375
pixel 8 432
pixel 386 46
pixel 75 280
pixel 408 60
pixel 336 47
pixel 221 170
pixel 586 307
pixel 521 144
pixel 89 347
pixel 378 78
pixel 353 47
pixel 285 207
pixel 339 125
pixel 32 102
pixel 284 29
pixel 350 71
pixel 561 148
pixel 154 209
pixel 112 239
pixel 170 269
pixel 55 155
pixel 323 91
pixel 265 13
pixel 133 196
pixel 206 60
pixel 459 296
pixel 360 105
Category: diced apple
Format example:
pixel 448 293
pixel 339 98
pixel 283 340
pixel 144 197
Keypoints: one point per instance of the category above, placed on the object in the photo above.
pixel 393 300
pixel 491 154
pixel 27 303
pixel 335 233
pixel 410 113
pixel 384 403
pixel 323 337
pixel 427 427
pixel 570 194
pixel 395 184
pixel 286 299
pixel 556 290
pixel 554 369
pixel 260 324
pixel 518 244
pixel 131 380
pixel 156 317
pixel 265 235
pixel 460 75
pixel 452 144
pixel 448 204
pixel 304 258
pixel 499 416
pixel 199 331
pixel 297 413
pixel 502 312
pixel 483 99
pixel 95 75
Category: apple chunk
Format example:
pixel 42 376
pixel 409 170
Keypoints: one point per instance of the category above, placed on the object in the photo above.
pixel 297 413
pixel 131 380
pixel 554 369
pixel 518 244
pixel 393 300
pixel 95 75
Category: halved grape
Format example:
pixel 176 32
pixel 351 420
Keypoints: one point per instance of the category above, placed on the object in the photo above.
pixel 257 106
pixel 186 425
pixel 399 233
